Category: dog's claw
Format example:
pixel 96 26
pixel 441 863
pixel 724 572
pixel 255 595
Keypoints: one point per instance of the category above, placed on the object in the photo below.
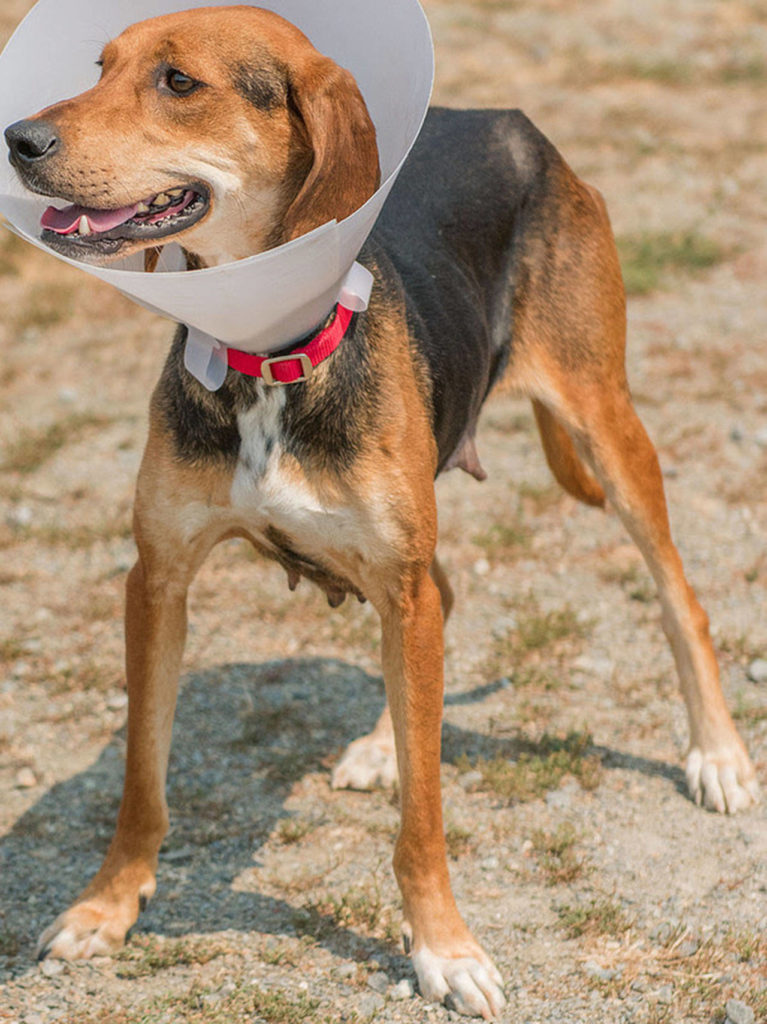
pixel 468 985
pixel 724 783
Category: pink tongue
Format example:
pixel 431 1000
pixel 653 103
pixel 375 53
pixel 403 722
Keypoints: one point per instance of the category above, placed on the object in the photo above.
pixel 66 221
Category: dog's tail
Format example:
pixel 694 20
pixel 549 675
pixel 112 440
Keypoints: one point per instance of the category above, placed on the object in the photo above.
pixel 563 459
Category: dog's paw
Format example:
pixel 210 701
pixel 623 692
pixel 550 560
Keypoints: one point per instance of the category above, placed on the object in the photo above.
pixel 470 985
pixel 367 763
pixel 90 928
pixel 725 783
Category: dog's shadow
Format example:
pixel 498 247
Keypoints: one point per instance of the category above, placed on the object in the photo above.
pixel 243 735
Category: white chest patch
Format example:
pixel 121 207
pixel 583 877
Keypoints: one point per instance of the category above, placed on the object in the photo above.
pixel 265 494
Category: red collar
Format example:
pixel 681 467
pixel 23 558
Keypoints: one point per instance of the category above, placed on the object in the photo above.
pixel 295 366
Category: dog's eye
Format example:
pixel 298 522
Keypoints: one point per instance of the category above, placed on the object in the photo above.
pixel 179 83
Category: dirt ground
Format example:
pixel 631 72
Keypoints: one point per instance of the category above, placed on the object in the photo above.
pixel 602 892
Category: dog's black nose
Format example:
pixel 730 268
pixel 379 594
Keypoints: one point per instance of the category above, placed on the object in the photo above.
pixel 31 141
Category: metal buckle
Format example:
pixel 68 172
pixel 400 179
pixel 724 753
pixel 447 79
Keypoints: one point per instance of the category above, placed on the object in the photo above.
pixel 306 368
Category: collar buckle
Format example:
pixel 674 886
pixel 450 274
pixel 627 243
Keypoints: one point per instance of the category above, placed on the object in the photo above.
pixel 300 357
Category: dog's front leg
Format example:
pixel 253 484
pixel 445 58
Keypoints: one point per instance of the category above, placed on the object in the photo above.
pixel 155 627
pixel 370 761
pixel 450 964
pixel 155 631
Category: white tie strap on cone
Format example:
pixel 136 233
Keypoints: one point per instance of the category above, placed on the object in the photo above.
pixel 268 300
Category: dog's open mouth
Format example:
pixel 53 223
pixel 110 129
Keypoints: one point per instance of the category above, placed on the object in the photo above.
pixel 80 229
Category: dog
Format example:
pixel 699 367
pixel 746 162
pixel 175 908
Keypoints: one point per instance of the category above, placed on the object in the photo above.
pixel 226 131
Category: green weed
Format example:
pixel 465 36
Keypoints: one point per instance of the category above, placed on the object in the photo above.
pixel 600 916
pixel 541 770
pixel 647 256
pixel 555 854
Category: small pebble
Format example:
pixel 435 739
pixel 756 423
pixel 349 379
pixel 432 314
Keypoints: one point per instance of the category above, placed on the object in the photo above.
pixel 470 780
pixel 22 515
pixel 378 981
pixel 738 1013
pixel 757 670
pixel 50 968
pixel 593 970
pixel 346 970
pixel 665 994
pixel 370 1004
pixel 688 948
pixel 736 432
pixel 761 437
pixel 117 701
pixel 25 778
pixel 558 799
pixel 402 990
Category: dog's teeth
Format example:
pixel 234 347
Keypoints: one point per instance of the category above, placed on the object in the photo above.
pixel 142 208
pixel 175 192
pixel 84 228
pixel 160 200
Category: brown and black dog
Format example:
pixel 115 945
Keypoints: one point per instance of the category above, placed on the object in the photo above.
pixel 225 130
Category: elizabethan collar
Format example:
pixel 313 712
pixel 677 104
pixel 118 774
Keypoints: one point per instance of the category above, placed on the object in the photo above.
pixel 267 300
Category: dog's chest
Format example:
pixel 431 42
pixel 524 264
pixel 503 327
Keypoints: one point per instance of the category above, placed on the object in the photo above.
pixel 307 527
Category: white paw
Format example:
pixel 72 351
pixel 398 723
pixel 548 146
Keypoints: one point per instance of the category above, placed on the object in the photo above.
pixel 74 936
pixel 723 783
pixel 465 984
pixel 367 763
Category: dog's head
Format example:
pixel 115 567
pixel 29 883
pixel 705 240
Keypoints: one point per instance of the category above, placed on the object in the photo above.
pixel 220 128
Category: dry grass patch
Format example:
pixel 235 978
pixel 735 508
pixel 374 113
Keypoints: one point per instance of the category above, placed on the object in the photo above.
pixel 458 840
pixel 648 256
pixel 10 943
pixel 293 830
pixel 13 251
pixel 93 676
pixel 244 1004
pixel 739 647
pixel 504 542
pixel 360 907
pixel 532 652
pixel 699 975
pixel 555 854
pixel 11 649
pixel 676 73
pixel 33 448
pixel 600 916
pixel 147 955
pixel 540 769
pixel 44 305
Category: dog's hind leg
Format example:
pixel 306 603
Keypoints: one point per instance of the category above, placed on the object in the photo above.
pixel 570 338
pixel 615 443
pixel 563 459
pixel 155 627
pixel 370 761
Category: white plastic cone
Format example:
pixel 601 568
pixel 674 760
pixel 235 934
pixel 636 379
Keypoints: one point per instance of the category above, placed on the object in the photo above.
pixel 268 300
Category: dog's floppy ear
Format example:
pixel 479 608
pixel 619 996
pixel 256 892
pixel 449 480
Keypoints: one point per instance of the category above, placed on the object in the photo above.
pixel 345 170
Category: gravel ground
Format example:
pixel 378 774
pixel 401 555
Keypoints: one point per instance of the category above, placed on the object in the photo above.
pixel 602 892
